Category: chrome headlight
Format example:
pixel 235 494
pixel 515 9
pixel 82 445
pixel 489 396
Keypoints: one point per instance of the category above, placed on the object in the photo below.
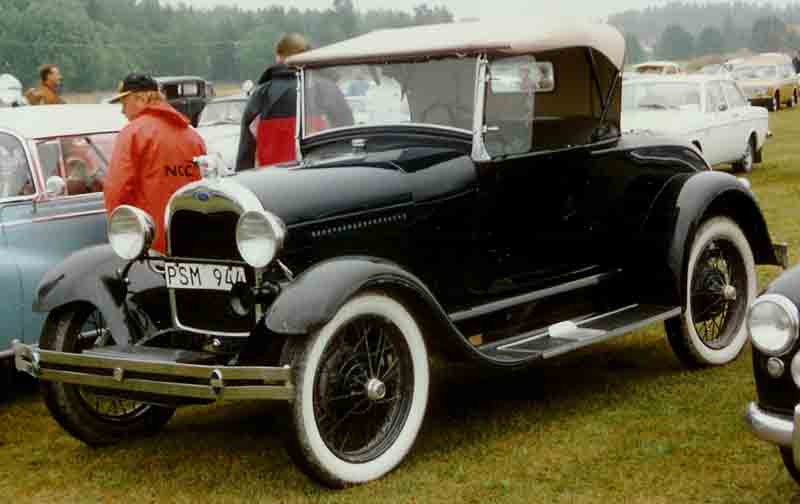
pixel 773 323
pixel 130 232
pixel 259 237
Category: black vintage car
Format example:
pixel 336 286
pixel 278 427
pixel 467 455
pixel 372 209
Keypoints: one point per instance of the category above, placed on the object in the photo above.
pixel 187 93
pixel 774 322
pixel 484 208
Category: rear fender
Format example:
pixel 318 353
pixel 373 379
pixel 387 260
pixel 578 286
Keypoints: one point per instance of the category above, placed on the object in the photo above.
pixel 687 201
pixel 92 275
pixel 313 298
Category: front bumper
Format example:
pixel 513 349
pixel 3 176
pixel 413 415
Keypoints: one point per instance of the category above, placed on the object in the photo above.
pixel 781 430
pixel 155 374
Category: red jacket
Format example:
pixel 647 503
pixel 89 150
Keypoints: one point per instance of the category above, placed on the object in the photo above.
pixel 152 158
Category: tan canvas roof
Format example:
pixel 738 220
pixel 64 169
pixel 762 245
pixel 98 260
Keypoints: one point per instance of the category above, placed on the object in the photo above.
pixel 511 36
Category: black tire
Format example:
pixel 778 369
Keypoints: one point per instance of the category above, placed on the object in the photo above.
pixel 788 462
pixel 720 286
pixel 792 100
pixel 361 390
pixel 775 104
pixel 746 163
pixel 78 409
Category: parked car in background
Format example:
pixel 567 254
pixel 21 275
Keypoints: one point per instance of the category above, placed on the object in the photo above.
pixel 11 94
pixel 496 226
pixel 188 94
pixel 716 69
pixel 219 124
pixel 774 325
pixel 768 80
pixel 657 68
pixel 709 112
pixel 52 164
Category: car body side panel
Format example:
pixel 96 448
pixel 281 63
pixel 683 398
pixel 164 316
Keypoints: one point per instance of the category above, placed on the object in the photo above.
pixel 11 309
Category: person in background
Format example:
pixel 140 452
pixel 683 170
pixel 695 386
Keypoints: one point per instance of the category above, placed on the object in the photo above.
pixel 153 155
pixel 796 61
pixel 268 124
pixel 46 93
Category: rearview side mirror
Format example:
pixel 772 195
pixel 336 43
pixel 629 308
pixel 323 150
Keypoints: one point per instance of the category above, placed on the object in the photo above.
pixel 722 107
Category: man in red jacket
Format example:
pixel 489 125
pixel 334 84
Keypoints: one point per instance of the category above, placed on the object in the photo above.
pixel 153 155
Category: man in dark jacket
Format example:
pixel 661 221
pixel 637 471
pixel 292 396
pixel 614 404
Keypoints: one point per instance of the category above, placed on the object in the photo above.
pixel 269 121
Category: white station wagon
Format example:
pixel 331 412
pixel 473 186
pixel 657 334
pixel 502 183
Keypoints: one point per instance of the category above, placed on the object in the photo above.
pixel 711 112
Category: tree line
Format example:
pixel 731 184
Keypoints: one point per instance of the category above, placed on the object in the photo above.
pixel 97 42
pixel 689 30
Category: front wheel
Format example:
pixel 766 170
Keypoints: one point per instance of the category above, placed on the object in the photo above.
pixel 788 462
pixel 720 286
pixel 361 390
pixel 89 414
pixel 745 164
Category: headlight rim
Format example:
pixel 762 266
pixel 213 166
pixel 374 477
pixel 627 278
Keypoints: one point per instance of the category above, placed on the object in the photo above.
pixel 276 225
pixel 145 225
pixel 794 319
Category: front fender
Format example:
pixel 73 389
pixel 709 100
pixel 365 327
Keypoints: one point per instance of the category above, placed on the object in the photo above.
pixel 91 275
pixel 313 298
pixel 687 200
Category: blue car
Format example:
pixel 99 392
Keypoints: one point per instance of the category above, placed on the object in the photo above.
pixel 52 164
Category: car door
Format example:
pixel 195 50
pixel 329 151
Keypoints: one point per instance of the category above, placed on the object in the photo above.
pixel 741 121
pixel 41 232
pixel 16 189
pixel 716 118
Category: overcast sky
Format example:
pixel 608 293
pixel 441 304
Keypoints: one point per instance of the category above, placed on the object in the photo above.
pixel 594 9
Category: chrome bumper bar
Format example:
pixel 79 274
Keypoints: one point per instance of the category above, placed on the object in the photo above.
pixel 190 381
pixel 770 427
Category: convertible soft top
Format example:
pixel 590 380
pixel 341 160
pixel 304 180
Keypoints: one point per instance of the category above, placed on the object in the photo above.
pixel 506 37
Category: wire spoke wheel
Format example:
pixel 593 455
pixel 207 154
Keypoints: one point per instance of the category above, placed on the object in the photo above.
pixel 362 392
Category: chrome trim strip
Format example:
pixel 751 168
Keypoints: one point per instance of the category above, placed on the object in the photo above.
pixel 6 353
pixel 479 152
pixel 531 296
pixel 301 113
pixel 40 220
pixel 770 427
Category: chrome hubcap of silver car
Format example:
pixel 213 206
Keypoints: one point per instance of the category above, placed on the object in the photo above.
pixel 376 389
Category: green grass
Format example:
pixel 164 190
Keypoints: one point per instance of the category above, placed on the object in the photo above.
pixel 619 422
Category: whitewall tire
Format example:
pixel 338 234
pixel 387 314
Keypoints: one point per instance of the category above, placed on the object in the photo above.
pixel 720 286
pixel 361 391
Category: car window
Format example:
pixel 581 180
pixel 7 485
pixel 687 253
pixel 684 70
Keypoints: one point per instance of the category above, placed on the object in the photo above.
pixel 222 112
pixel 661 96
pixel 81 160
pixel 15 174
pixel 734 95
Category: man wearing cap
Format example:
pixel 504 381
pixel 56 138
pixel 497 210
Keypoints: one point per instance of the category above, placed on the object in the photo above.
pixel 153 155
pixel 49 85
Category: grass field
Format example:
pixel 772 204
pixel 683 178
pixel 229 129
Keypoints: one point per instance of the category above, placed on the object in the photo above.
pixel 620 422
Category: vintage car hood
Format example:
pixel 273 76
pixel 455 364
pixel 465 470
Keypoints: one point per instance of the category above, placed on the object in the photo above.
pixel 307 193
pixel 663 121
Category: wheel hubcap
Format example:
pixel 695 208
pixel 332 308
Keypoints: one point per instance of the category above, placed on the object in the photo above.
pixel 729 293
pixel 376 389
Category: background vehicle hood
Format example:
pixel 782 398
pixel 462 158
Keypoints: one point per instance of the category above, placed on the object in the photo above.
pixel 663 121
pixel 222 138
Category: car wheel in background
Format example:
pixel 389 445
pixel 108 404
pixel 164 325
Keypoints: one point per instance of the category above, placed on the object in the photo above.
pixel 361 390
pixel 775 104
pixel 85 412
pixel 720 286
pixel 788 462
pixel 745 164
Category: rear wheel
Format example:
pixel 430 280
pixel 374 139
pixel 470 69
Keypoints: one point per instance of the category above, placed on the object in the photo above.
pixel 361 390
pixel 89 414
pixel 720 286
pixel 775 104
pixel 788 462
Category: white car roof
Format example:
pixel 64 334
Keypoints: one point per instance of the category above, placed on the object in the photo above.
pixel 47 121
pixel 512 36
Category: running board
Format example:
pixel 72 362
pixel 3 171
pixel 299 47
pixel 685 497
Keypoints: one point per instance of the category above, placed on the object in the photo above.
pixel 558 339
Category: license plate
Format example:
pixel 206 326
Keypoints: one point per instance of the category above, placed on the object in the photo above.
pixel 203 276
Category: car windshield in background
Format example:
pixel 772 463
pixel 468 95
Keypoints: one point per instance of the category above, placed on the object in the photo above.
pixel 650 69
pixel 222 112
pixel 439 92
pixel 661 95
pixel 756 72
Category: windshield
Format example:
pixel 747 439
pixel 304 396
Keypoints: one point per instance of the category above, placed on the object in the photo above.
pixel 222 112
pixel 755 72
pixel 437 92
pixel 660 95
pixel 650 69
